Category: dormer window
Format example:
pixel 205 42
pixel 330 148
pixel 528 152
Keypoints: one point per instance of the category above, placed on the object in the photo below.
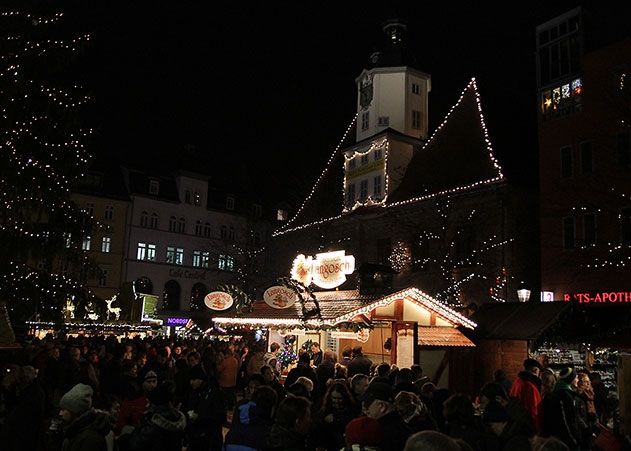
pixel 154 187
pixel 230 203
pixel 416 88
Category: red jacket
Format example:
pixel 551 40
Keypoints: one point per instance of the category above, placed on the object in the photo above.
pixel 526 388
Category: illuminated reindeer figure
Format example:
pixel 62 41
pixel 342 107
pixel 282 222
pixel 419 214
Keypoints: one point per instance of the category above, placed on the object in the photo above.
pixel 116 310
pixel 69 309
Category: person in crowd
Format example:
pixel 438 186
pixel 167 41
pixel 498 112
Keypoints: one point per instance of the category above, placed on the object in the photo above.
pixel 316 354
pixel 141 363
pixel 341 372
pixel 381 372
pixel 520 420
pixel 271 358
pixel 559 412
pixel 181 380
pixel 501 435
pixel 500 377
pixel 193 359
pixel 162 426
pixel 71 369
pixel 205 412
pixel 359 384
pixel 415 414
pixel 302 369
pixel 21 428
pixel 347 355
pixel 291 425
pixel 256 359
pixel 254 382
pixel 325 371
pixel 359 364
pixel 418 378
pixel 585 410
pixel 363 433
pixel 129 387
pixel 90 372
pixel 404 381
pixel 431 441
pixel 83 427
pixel 378 404
pixel 227 372
pixel 252 422
pixel 271 380
pixel 132 409
pixel 527 388
pixel 50 377
pixel 460 421
pixel 548 380
pixel 330 422
pixel 308 383
pixel 601 393
pixel 298 390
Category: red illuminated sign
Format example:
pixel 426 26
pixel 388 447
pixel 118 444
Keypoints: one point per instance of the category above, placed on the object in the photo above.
pixel 613 297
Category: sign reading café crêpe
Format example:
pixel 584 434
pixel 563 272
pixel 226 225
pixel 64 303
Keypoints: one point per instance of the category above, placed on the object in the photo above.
pixel 326 270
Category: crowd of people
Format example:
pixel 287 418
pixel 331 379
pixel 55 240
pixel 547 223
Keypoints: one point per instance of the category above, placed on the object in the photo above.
pixel 102 393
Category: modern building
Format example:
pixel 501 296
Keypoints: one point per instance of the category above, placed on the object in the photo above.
pixel 584 104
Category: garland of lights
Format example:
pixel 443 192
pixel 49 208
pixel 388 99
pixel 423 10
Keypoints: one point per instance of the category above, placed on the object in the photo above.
pixel 300 290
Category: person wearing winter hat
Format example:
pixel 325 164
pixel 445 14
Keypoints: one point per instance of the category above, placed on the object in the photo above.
pixel 84 428
pixel 378 404
pixel 527 388
pixel 363 433
pixel 559 413
pixel 132 409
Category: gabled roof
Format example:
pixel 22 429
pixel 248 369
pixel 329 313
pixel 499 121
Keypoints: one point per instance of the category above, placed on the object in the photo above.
pixel 457 157
pixel 442 336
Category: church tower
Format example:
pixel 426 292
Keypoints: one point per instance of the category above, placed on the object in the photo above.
pixel 392 120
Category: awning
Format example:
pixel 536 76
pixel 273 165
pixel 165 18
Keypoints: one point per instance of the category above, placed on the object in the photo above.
pixel 442 336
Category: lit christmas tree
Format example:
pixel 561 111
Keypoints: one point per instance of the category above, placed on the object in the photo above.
pixel 43 148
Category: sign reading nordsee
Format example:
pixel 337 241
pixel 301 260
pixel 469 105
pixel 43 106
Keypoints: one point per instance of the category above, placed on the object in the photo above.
pixel 279 297
pixel 326 270
pixel 218 300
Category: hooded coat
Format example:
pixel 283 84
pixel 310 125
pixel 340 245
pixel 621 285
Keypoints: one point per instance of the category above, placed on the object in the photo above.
pixel 161 429
pixel 249 429
pixel 90 431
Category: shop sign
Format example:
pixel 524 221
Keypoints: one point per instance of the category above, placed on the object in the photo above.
pixel 186 274
pixel 604 297
pixel 218 300
pixel 173 321
pixel 547 296
pixel 361 335
pixel 279 297
pixel 326 270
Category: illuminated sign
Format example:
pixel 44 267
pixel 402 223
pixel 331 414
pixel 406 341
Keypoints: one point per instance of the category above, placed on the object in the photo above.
pixel 613 297
pixel 176 321
pixel 326 270
pixel 279 297
pixel 218 300
pixel 149 310
pixel 547 296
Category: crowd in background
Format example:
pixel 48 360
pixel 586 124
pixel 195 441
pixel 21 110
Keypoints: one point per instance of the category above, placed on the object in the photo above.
pixel 102 393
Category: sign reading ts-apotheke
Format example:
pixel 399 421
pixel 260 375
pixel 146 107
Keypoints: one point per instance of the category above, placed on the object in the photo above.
pixel 613 297
pixel 326 270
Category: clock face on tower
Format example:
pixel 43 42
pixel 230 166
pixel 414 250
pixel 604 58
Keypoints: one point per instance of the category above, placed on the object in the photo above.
pixel 365 91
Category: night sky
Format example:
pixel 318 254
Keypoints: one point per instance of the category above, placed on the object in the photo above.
pixel 265 86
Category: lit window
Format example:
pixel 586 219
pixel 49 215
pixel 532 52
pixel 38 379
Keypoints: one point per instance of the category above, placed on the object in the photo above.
pixel 154 187
pixel 151 252
pixel 86 243
pixel 201 259
pixel 146 251
pixel 170 255
pixel 230 203
pixel 109 212
pixel 281 215
pixel 175 255
pixel 226 263
pixel 106 244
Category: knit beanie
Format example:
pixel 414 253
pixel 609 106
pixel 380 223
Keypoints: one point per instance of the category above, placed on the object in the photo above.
pixel 78 399
pixel 567 374
pixel 363 431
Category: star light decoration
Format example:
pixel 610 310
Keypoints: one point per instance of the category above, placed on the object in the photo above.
pixel 498 178
pixel 44 153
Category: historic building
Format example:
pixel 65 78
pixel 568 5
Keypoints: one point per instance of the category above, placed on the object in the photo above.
pixel 584 93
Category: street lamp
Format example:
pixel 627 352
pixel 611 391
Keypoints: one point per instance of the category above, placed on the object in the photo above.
pixel 523 294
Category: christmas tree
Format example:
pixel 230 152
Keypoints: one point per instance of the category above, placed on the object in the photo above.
pixel 44 152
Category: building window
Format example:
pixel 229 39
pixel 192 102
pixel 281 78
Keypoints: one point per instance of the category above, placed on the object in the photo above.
pixel 109 212
pixel 281 215
pixel 416 119
pixel 144 219
pixel 561 100
pixel 207 230
pixel 181 225
pixel 589 230
pixel 416 88
pixel 172 224
pixel 197 199
pixel 569 234
pixel 231 233
pixel 154 221
pixel 377 186
pixel 146 252
pixel 623 146
pixel 86 243
pixel 365 121
pixel 350 195
pixel 364 159
pixel 566 161
pixel 257 211
pixel 363 190
pixel 198 228
pixel 201 259
pixel 106 245
pixel 224 232
pixel 625 227
pixel 226 263
pixel 187 196
pixel 586 157
pixel 175 255
pixel 89 208
pixel 154 187
pixel 230 203
pixel 378 153
pixel 383 121
pixel 103 277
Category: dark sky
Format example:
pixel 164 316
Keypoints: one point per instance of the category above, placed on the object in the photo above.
pixel 268 88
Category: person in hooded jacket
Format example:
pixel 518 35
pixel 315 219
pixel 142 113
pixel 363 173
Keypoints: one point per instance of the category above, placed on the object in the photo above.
pixel 205 412
pixel 162 427
pixel 527 388
pixel 559 411
pixel 253 422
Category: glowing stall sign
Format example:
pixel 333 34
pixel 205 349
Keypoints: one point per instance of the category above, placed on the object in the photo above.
pixel 218 300
pixel 174 321
pixel 326 270
pixel 279 297
pixel 604 297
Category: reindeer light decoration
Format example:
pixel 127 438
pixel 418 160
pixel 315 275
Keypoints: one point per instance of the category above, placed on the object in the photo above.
pixel 115 310
pixel 69 310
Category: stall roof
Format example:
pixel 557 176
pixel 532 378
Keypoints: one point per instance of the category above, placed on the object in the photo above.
pixel 442 336
pixel 517 320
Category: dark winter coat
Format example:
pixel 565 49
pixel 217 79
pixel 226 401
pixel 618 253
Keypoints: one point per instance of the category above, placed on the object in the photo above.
pixel 395 432
pixel 359 365
pixel 23 423
pixel 302 370
pixel 527 388
pixel 88 432
pixel 560 417
pixel 161 429
pixel 249 430
pixel 331 435
pixel 209 404
pixel 282 439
